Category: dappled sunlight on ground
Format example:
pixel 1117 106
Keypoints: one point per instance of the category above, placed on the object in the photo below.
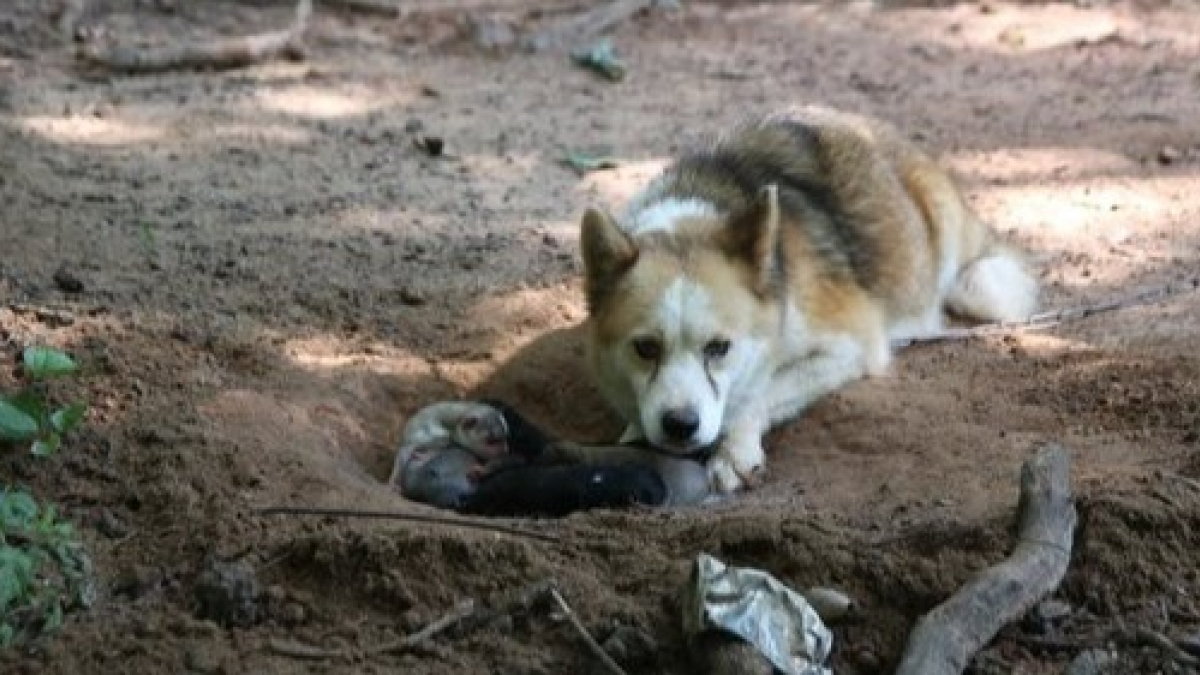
pixel 92 131
pixel 614 187
pixel 322 102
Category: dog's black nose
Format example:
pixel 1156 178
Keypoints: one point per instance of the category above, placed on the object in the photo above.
pixel 680 424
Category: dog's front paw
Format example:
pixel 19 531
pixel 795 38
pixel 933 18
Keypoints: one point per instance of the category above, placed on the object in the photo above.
pixel 721 476
pixel 737 467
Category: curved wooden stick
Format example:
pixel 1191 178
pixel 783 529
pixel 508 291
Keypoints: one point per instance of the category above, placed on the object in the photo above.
pixel 222 54
pixel 452 521
pixel 946 638
pixel 1053 318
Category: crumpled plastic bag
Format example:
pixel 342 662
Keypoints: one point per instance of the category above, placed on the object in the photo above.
pixel 756 607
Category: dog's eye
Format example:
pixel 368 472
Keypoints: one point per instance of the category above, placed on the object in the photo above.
pixel 647 349
pixel 716 349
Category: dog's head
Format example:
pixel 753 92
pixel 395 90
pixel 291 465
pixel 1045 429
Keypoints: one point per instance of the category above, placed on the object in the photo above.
pixel 682 320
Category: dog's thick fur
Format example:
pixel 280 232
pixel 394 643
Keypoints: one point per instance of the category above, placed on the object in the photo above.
pixel 763 271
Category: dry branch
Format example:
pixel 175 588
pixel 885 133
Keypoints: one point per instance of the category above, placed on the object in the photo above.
pixel 297 650
pixel 590 641
pixel 456 521
pixel 376 7
pixel 582 27
pixel 946 638
pixel 70 15
pixel 1053 318
pixel 220 54
pixel 523 601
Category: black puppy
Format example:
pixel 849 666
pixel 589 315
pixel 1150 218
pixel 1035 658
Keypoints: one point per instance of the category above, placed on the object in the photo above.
pixel 535 476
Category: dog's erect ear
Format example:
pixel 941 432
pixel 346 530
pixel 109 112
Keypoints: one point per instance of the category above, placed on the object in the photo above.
pixel 608 252
pixel 752 236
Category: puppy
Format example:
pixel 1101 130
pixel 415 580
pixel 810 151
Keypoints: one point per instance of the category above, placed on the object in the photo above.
pixel 447 449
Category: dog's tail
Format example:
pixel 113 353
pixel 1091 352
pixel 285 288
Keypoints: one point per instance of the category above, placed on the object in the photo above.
pixel 995 283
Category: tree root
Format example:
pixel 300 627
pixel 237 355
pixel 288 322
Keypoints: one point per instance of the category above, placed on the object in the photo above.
pixel 222 54
pixel 946 638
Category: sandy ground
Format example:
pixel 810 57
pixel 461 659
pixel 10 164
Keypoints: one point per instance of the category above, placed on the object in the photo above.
pixel 274 277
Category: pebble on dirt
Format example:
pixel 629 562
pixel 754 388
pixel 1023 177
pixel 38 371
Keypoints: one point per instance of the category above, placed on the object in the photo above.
pixel 67 281
pixel 228 594
pixel 433 146
pixel 1091 662
pixel 110 525
pixel 719 653
pixel 136 581
pixel 630 646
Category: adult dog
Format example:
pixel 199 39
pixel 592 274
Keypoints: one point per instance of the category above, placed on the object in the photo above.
pixel 762 271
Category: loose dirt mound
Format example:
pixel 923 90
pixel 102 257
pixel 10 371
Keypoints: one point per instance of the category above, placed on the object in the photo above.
pixel 274 277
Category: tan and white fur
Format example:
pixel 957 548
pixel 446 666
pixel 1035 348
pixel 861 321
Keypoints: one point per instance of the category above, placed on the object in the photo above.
pixel 765 270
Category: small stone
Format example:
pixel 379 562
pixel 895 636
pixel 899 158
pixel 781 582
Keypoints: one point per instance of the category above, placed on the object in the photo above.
pixel 185 625
pixel 410 620
pixel 1092 662
pixel 276 594
pixel 433 146
pixel 867 659
pixel 550 240
pixel 414 126
pixel 136 581
pixel 293 614
pixel 411 297
pixel 55 318
pixel 490 32
pixel 110 525
pixel 201 659
pixel 147 627
pixel 830 604
pixel 719 653
pixel 630 646
pixel 1054 610
pixel 1169 155
pixel 66 281
pixel 227 593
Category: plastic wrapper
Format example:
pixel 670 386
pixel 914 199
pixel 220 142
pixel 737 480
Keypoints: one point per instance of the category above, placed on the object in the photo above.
pixel 756 607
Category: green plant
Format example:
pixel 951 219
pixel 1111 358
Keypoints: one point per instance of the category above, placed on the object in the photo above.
pixel 27 416
pixel 44 569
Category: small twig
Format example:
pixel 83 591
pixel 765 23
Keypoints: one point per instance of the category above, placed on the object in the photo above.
pixel 299 650
pixel 608 661
pixel 228 53
pixel 586 25
pixel 70 15
pixel 1142 635
pixel 461 611
pixel 1052 318
pixel 1054 644
pixel 377 7
pixel 456 521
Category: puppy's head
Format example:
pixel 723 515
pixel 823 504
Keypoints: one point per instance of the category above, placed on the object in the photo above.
pixel 483 432
pixel 681 319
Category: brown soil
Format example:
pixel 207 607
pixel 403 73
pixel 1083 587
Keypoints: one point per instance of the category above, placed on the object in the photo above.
pixel 274 277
